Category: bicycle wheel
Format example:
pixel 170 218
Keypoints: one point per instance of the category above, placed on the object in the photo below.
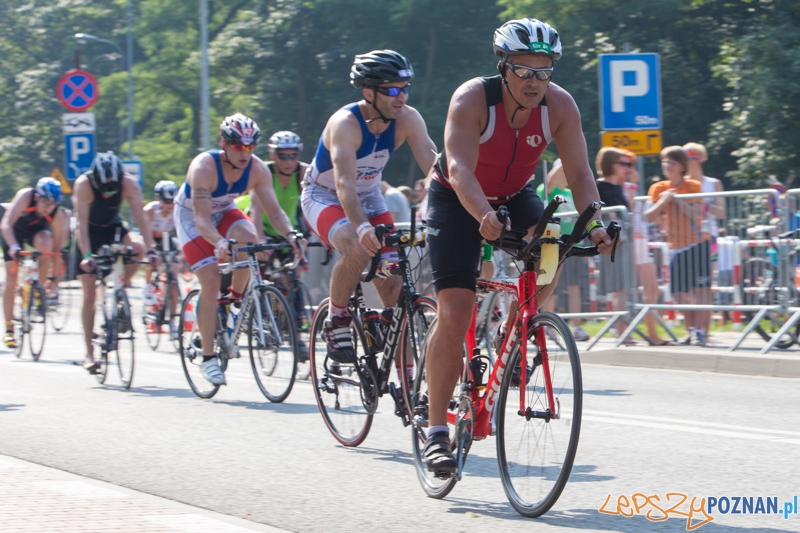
pixel 535 446
pixel 101 341
pixel 59 305
pixel 191 347
pixel 300 303
pixel 337 386
pixel 413 332
pixel 123 344
pixel 435 487
pixel 20 323
pixel 170 297
pixel 272 341
pixel 151 315
pixel 36 311
pixel 759 287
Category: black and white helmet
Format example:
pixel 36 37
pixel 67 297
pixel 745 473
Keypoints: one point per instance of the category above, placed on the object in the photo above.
pixel 526 36
pixel 106 172
pixel 379 67
pixel 285 140
pixel 239 129
pixel 166 190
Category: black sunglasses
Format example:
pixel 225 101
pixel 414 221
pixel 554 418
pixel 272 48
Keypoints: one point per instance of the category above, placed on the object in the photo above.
pixel 287 157
pixel 625 164
pixel 393 91
pixel 542 74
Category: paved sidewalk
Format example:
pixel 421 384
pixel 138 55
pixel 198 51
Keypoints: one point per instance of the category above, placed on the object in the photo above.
pixel 38 499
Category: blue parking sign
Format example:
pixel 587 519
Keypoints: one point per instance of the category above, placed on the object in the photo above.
pixel 78 154
pixel 630 91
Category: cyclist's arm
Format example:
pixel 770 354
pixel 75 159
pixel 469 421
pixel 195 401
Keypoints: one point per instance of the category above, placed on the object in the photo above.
pixel 462 133
pixel 82 198
pixel 343 136
pixel 264 192
pixel 202 178
pixel 133 194
pixel 565 121
pixel 257 214
pixel 12 214
pixel 415 133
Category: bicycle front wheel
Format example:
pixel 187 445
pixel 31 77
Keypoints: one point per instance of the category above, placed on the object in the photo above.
pixel 192 347
pixel 337 386
pixel 124 342
pixel 413 332
pixel 272 339
pixel 536 440
pixel 36 311
pixel 150 317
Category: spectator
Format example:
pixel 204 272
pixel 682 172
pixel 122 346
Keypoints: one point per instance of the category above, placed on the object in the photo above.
pixel 396 203
pixel 690 257
pixel 409 194
pixel 574 270
pixel 421 191
pixel 614 167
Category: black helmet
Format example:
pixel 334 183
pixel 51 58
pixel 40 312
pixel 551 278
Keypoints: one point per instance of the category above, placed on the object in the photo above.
pixel 106 172
pixel 379 67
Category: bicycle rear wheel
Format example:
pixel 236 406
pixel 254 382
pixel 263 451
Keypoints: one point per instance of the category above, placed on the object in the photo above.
pixel 272 340
pixel 413 332
pixel 151 316
pixel 337 386
pixel 101 341
pixel 433 486
pixel 124 342
pixel 36 311
pixel 300 303
pixel 192 347
pixel 172 296
pixel 536 449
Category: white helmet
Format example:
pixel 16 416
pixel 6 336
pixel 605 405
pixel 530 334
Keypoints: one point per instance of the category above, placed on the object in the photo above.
pixel 285 140
pixel 526 36
pixel 166 190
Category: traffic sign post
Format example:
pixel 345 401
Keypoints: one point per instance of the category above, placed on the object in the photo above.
pixel 77 90
pixel 135 169
pixel 78 122
pixel 79 153
pixel 630 91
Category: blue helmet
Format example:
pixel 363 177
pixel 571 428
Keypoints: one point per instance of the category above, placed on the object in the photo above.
pixel 49 189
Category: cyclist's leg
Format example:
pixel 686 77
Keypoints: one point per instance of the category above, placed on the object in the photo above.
pixel 10 287
pixel 43 241
pixel 135 241
pixel 88 284
pixel 234 224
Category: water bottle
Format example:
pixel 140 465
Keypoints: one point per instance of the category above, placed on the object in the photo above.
pixel 549 259
pixel 372 330
pixel 387 315
pixel 234 309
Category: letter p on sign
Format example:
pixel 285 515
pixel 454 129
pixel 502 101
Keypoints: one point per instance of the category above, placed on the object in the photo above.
pixel 620 89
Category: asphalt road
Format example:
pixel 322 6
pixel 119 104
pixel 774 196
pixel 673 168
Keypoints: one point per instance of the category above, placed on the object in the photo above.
pixel 645 431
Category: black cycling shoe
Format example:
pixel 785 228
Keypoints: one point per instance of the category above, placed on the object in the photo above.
pixel 302 351
pixel 438 455
pixel 339 340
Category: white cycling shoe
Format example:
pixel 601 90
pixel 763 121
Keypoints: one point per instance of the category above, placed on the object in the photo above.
pixel 212 372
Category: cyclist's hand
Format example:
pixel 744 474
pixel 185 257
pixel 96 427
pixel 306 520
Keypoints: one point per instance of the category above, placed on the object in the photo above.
pixel 600 237
pixel 491 227
pixel 154 258
pixel 369 241
pixel 14 250
pixel 223 251
pixel 88 264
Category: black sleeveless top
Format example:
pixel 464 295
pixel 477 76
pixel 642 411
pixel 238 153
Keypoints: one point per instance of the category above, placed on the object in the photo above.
pixel 30 218
pixel 103 211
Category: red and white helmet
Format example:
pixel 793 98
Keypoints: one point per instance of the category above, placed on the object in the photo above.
pixel 239 129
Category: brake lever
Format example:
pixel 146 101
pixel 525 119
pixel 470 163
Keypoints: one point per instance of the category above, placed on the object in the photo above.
pixel 613 230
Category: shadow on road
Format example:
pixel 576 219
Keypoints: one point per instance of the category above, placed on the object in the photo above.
pixel 607 392
pixel 11 406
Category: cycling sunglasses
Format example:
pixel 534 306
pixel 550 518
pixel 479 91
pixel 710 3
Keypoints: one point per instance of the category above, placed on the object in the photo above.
pixel 393 91
pixel 287 157
pixel 246 147
pixel 542 74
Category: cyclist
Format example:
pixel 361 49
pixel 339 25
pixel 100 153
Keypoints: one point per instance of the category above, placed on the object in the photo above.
pixel 97 197
pixel 206 218
pixel 33 218
pixel 342 199
pixel 159 213
pixel 496 130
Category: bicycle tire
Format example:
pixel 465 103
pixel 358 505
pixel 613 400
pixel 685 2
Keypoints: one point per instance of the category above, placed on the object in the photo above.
pixel 20 321
pixel 337 388
pixel 150 316
pixel 272 342
pixel 173 291
pixel 754 277
pixel 433 486
pixel 124 342
pixel 535 455
pixel 102 342
pixel 419 321
pixel 191 348
pixel 300 290
pixel 36 311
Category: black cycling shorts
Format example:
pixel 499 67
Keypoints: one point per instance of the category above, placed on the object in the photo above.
pixel 454 234
pixel 98 236
pixel 24 236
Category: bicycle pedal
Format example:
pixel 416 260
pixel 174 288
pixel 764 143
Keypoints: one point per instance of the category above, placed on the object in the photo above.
pixel 399 405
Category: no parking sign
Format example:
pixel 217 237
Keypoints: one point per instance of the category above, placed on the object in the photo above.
pixel 77 90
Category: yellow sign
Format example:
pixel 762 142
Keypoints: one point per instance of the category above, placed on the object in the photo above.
pixel 642 142
pixel 65 188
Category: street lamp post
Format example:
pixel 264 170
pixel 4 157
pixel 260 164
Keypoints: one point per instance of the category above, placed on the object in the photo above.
pixel 83 37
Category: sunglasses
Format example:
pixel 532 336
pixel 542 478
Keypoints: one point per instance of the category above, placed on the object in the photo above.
pixel 287 157
pixel 246 147
pixel 393 91
pixel 625 164
pixel 542 74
